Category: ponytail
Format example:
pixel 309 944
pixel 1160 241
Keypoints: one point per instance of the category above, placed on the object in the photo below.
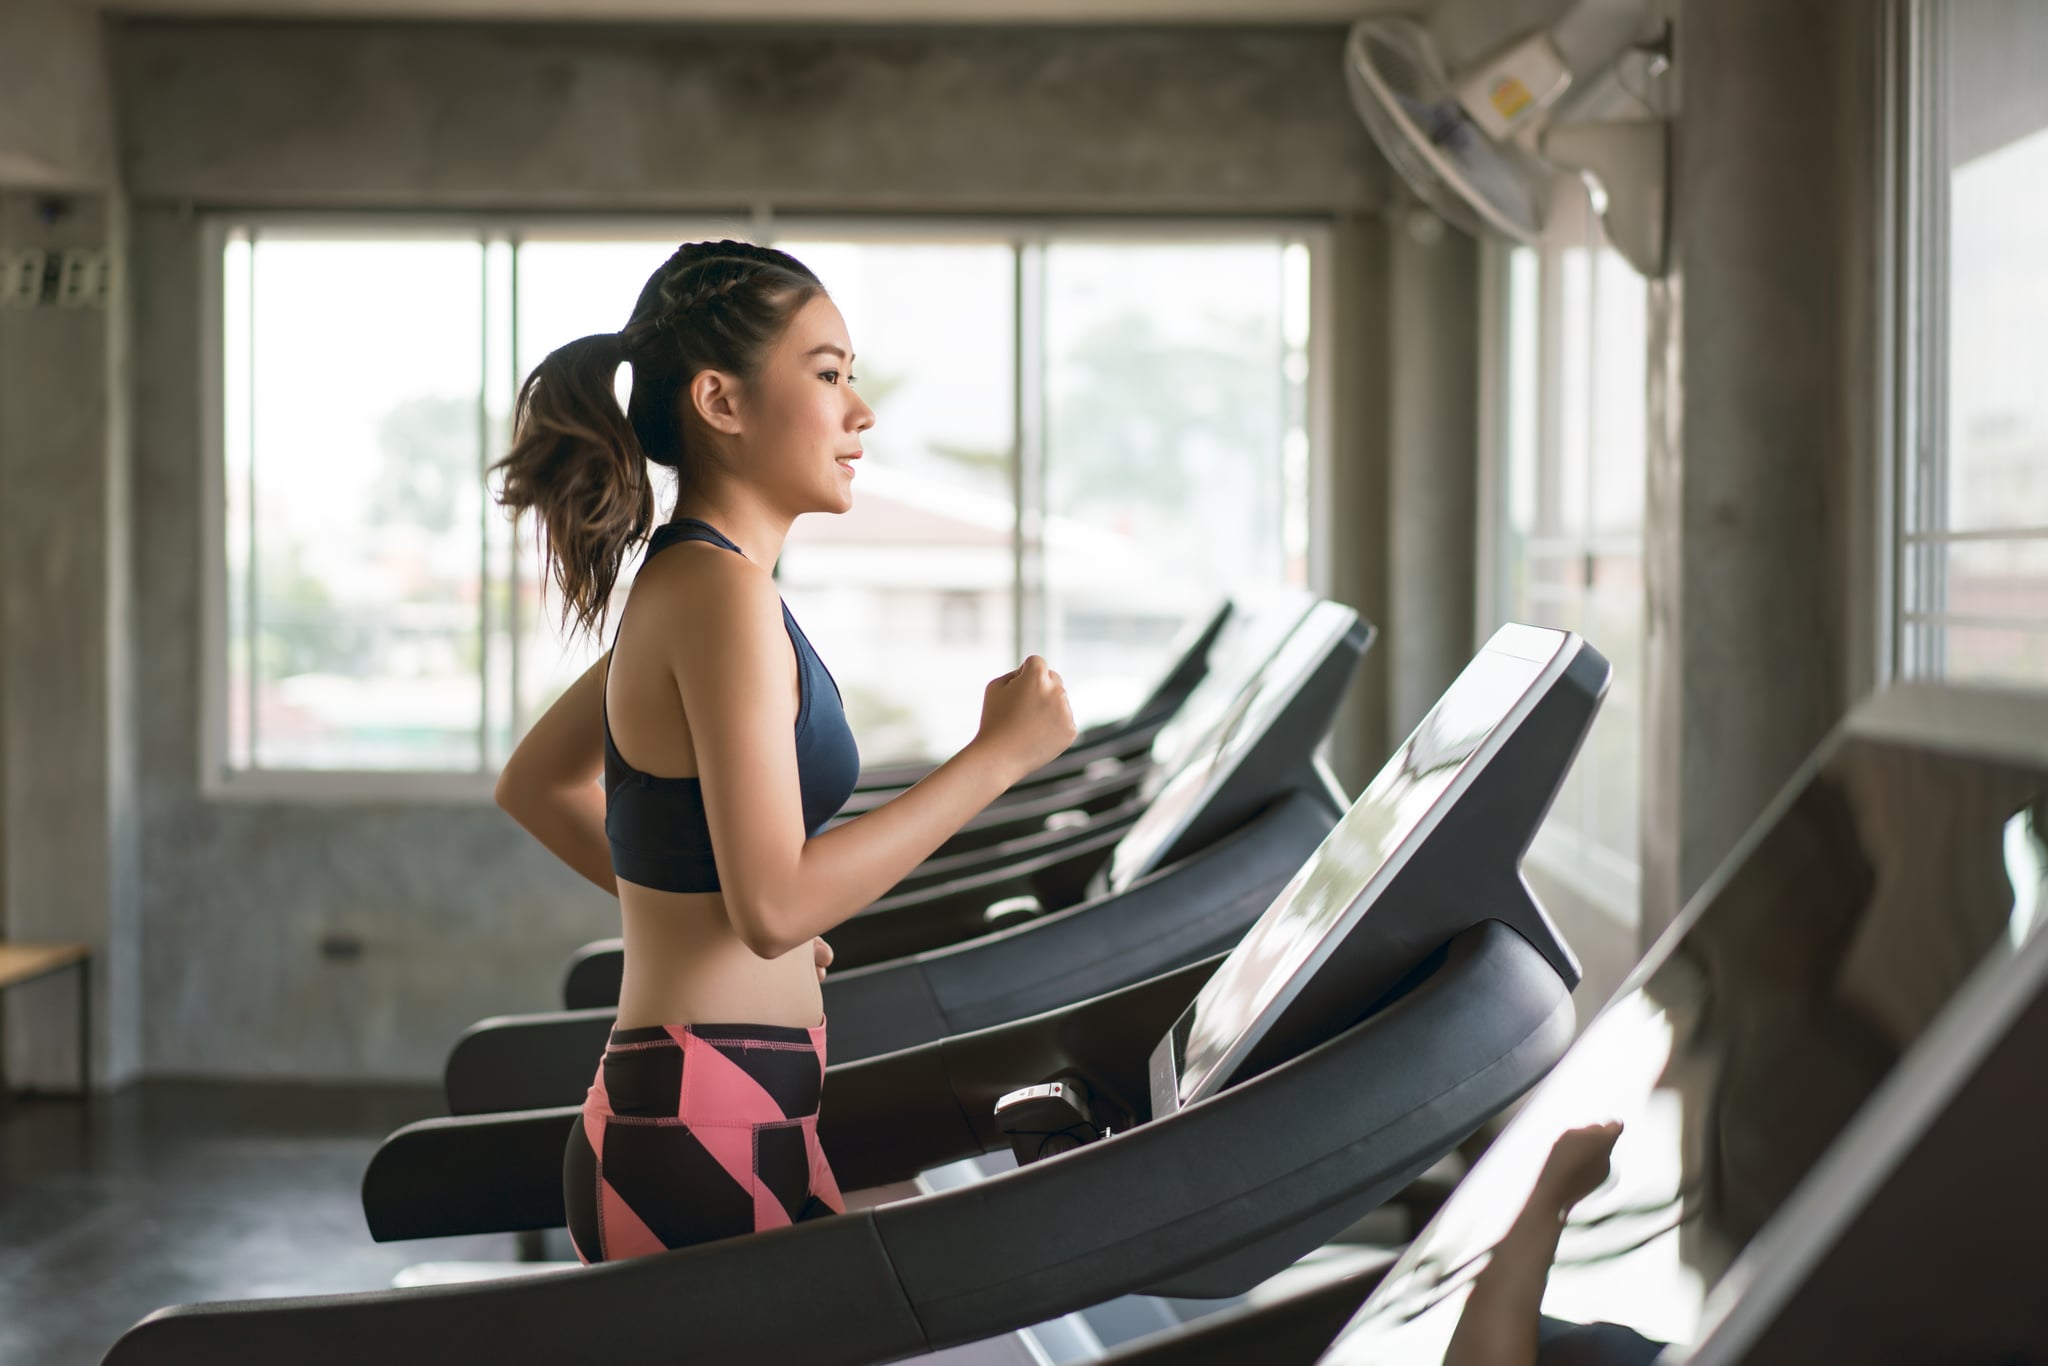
pixel 577 465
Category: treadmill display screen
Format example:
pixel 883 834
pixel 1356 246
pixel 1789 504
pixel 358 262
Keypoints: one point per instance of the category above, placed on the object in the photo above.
pixel 1282 643
pixel 1740 1051
pixel 1319 904
pixel 1255 631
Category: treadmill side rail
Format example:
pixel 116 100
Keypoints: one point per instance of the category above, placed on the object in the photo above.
pixel 724 1301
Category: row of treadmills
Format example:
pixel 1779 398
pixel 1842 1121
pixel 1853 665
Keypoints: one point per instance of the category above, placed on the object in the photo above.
pixel 1210 1013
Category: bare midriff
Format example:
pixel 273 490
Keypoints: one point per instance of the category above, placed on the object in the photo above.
pixel 684 964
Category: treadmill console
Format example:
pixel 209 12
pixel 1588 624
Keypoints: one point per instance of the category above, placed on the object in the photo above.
pixel 1296 937
pixel 1282 649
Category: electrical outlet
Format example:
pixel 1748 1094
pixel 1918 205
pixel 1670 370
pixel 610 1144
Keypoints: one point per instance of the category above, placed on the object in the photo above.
pixel 21 277
pixel 85 278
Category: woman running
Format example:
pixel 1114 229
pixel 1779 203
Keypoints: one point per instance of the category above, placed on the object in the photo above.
pixel 720 738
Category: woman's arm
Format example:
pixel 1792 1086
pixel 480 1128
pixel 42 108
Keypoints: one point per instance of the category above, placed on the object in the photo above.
pixel 1498 1326
pixel 736 678
pixel 550 784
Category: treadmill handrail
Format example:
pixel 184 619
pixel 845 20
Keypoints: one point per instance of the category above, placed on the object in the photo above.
pixel 1187 911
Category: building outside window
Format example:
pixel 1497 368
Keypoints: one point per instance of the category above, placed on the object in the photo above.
pixel 1081 443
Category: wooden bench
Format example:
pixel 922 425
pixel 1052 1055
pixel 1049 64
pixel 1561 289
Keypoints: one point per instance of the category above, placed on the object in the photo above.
pixel 26 962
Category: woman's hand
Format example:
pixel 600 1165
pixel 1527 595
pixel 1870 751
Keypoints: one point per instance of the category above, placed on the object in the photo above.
pixel 1578 1163
pixel 821 956
pixel 1025 715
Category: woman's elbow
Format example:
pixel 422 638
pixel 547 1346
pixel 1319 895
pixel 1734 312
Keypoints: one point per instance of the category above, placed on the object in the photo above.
pixel 513 793
pixel 759 927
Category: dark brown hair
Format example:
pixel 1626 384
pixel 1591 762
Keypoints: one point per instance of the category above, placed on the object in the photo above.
pixel 580 463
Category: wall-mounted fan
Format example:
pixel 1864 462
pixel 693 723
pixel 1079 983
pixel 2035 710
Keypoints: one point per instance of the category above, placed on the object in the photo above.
pixel 1482 146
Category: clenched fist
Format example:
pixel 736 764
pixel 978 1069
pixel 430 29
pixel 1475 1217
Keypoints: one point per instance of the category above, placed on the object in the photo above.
pixel 1025 715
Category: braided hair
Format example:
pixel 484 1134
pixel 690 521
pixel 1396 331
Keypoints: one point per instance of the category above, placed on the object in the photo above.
pixel 580 463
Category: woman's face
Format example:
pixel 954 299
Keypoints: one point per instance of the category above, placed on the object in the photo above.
pixel 801 421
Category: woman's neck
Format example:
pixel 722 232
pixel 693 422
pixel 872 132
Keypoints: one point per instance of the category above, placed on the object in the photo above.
pixel 756 529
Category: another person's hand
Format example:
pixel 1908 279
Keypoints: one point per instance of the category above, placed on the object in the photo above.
pixel 821 956
pixel 1025 715
pixel 1578 1163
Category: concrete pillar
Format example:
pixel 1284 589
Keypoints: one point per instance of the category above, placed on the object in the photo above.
pixel 1758 478
pixel 1400 510
pixel 66 779
pixel 68 841
pixel 1350 511
pixel 1432 354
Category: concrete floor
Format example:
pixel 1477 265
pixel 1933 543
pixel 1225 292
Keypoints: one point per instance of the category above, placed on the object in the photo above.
pixel 170 1192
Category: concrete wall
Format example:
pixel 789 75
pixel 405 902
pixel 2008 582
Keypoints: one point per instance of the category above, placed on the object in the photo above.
pixel 56 114
pixel 972 119
pixel 459 914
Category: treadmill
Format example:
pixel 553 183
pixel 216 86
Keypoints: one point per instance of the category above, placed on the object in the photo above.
pixel 1829 1073
pixel 1121 738
pixel 1282 634
pixel 1238 809
pixel 1227 1118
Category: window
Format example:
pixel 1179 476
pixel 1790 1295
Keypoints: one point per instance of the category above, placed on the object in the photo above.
pixel 1564 461
pixel 1081 442
pixel 1972 555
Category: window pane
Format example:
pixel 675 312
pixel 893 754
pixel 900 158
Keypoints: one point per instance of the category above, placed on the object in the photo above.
pixel 1621 315
pixel 1979 608
pixel 1996 654
pixel 1520 432
pixel 363 375
pixel 1993 612
pixel 1571 452
pixel 237 374
pixel 908 596
pixel 1998 351
pixel 1166 425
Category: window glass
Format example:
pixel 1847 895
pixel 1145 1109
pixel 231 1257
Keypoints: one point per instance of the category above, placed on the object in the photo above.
pixel 1167 418
pixel 356 500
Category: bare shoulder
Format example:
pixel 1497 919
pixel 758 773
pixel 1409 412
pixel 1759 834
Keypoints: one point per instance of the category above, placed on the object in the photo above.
pixel 710 603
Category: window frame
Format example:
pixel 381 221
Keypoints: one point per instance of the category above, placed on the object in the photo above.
pixel 1026 235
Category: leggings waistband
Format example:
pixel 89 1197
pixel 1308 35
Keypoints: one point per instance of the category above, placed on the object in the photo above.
pixel 643 1036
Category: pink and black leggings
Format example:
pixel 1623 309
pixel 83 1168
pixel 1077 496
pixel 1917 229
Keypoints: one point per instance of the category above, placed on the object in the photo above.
pixel 695 1132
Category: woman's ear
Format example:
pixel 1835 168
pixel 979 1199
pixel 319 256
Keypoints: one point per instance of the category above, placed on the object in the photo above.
pixel 715 396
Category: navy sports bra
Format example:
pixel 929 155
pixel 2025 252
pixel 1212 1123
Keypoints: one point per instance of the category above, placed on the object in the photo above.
pixel 658 833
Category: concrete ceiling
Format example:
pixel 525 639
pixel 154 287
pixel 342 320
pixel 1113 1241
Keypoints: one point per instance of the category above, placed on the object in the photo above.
pixel 1328 12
